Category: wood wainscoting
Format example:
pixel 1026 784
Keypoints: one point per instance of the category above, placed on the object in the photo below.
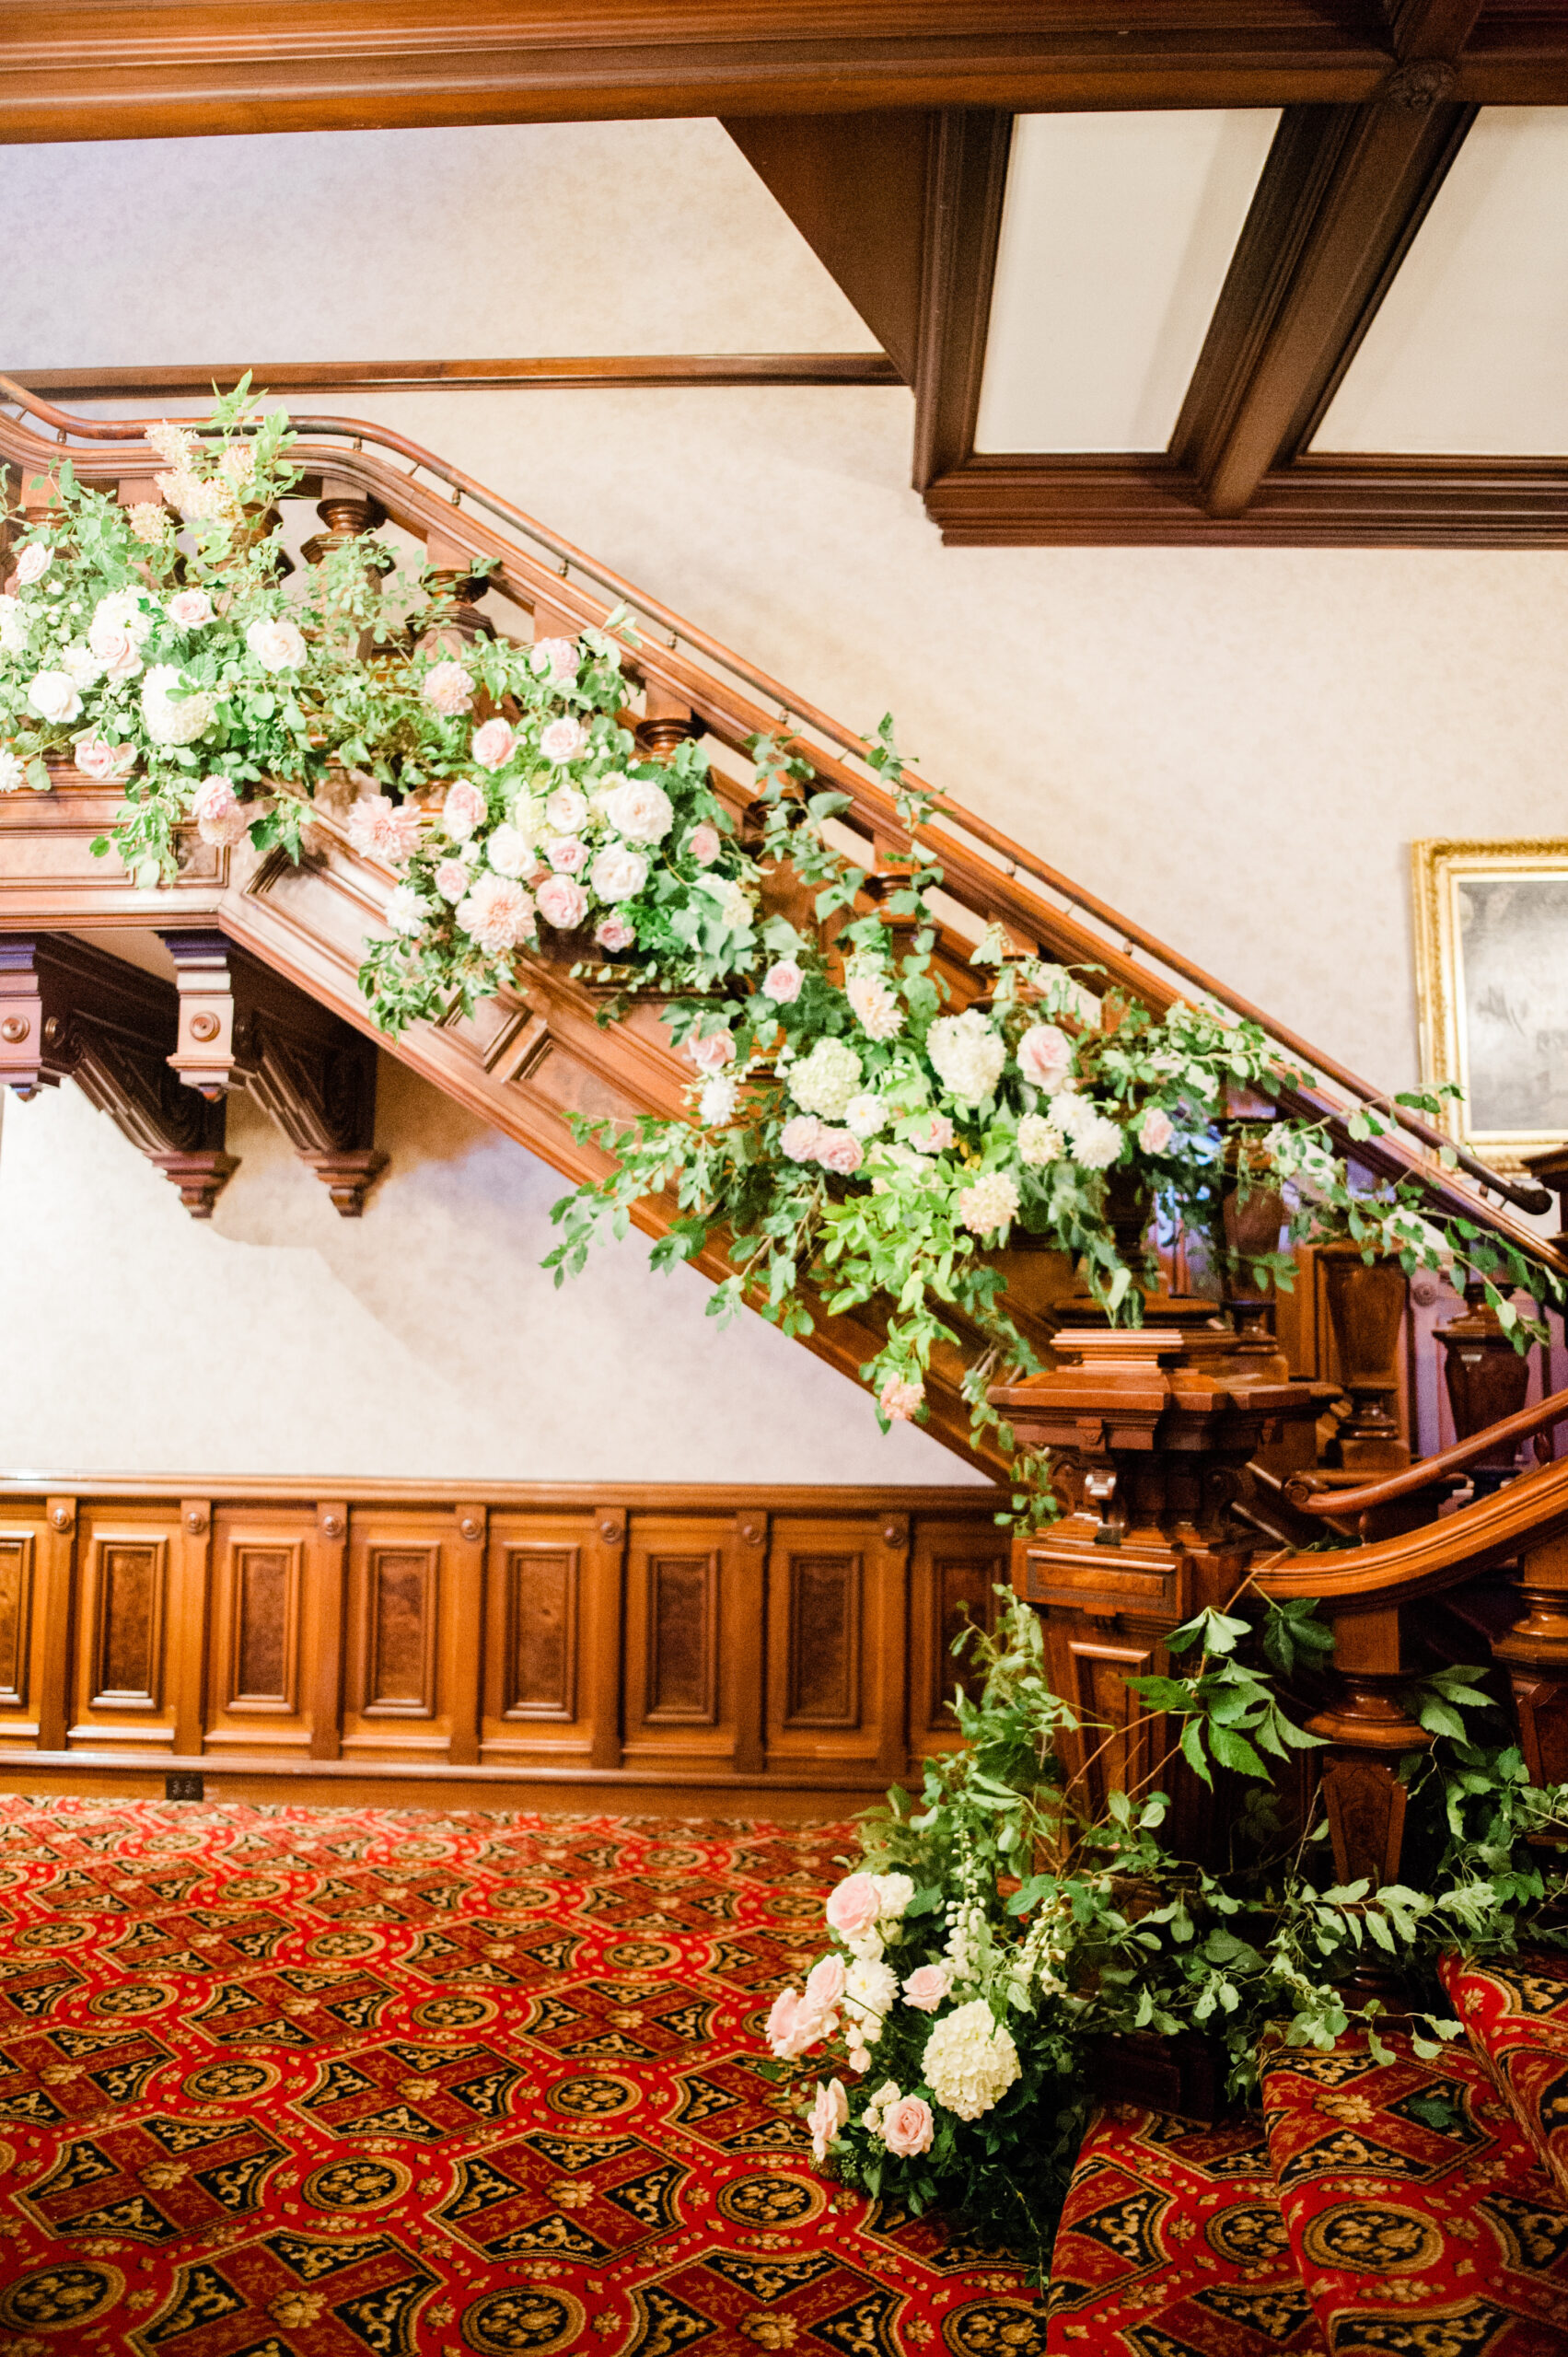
pixel 778 1652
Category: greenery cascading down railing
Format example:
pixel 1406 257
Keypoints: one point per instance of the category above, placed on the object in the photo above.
pixel 852 1138
pixel 855 1140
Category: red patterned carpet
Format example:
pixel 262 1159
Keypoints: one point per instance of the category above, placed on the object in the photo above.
pixel 310 2082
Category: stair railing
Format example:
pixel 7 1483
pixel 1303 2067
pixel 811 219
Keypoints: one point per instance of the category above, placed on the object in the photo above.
pixel 985 872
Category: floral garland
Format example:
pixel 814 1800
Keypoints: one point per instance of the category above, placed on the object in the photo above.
pixel 851 1136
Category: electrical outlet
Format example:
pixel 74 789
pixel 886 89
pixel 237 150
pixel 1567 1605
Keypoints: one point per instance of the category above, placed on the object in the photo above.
pixel 183 1786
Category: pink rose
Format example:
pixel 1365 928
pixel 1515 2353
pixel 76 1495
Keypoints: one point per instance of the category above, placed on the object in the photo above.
pixel 492 745
pixel 117 651
pixel 614 933
pixel 452 879
pixel 1155 1130
pixel 377 826
pixel 825 1983
pixel 568 855
pixel 933 1135
pixel 712 1051
pixel 907 2129
pixel 792 2026
pixel 840 1152
pixel 898 1399
pixel 798 1138
pixel 34 562
pixel 96 759
pixel 853 1907
pixel 781 982
pixel 704 845
pixel 448 690
pixel 562 902
pixel 876 1008
pixel 555 658
pixel 464 809
pixel 191 609
pixel 563 740
pixel 1045 1056
pixel 829 2113
pixel 926 1987
pixel 277 644
pixel 220 815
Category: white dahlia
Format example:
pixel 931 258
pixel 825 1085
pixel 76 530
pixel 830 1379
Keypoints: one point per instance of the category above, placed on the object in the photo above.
pixel 826 1081
pixel 876 1008
pixel 970 2061
pixel 1098 1143
pixel 170 720
pixel 969 1055
pixel 13 773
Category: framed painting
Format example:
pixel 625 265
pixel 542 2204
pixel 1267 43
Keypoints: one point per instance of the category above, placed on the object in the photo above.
pixel 1492 982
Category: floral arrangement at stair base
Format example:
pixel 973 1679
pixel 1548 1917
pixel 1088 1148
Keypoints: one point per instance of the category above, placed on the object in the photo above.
pixel 853 1136
pixel 991 1934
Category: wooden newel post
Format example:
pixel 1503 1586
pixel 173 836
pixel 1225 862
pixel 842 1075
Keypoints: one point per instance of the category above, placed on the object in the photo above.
pixel 1535 1652
pixel 1152 1427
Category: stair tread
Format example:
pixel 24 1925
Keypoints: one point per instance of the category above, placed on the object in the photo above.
pixel 1172 2242
pixel 1418 2213
pixel 1515 2011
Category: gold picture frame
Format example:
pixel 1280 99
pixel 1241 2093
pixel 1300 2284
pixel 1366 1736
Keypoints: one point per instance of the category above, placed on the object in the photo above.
pixel 1491 989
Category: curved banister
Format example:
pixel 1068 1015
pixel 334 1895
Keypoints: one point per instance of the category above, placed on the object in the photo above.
pixel 1438 1555
pixel 1302 1492
pixel 992 882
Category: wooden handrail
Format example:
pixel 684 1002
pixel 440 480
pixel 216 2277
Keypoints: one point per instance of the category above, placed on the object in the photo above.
pixel 990 884
pixel 1304 1492
pixel 1436 1556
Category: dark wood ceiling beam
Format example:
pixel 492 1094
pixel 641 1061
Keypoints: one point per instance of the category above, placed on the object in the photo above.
pixel 1149 501
pixel 854 187
pixel 965 189
pixel 95 69
pixel 614 373
pixel 1340 199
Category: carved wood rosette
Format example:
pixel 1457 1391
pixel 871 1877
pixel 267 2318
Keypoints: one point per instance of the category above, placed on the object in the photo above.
pixel 241 1025
pixel 68 1011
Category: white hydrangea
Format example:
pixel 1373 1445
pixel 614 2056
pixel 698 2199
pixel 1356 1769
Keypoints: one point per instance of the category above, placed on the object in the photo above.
pixel 1040 1141
pixel 14 619
pixel 894 1893
pixel 991 1202
pixel 866 1115
pixel 169 722
pixel 970 2061
pixel 826 1081
pixel 969 1054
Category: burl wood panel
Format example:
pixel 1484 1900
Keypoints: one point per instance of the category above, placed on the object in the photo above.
pixel 15 1615
pixel 400 1647
pixel 822 1665
pixel 681 1645
pixel 541 1663
pixel 264 1659
pixel 954 1576
pixel 132 1578
pixel 682 1641
pixel 1116 1750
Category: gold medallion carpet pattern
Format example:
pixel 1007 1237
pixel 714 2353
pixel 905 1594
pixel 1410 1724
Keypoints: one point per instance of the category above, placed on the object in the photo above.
pixel 312 2082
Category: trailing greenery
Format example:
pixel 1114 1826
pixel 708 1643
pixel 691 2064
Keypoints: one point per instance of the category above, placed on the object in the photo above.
pixel 1004 1892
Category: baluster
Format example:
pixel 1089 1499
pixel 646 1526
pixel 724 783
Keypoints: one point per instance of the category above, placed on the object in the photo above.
pixel 1487 1380
pixel 1366 1310
pixel 453 575
pixel 1535 1652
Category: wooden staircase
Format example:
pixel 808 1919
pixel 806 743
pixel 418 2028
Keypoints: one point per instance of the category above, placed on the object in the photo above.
pixel 538 1053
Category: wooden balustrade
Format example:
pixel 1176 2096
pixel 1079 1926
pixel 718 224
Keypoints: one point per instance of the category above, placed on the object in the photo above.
pixel 781 1651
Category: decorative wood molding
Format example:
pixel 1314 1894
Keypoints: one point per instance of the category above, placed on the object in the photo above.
pixel 242 1027
pixel 1358 502
pixel 90 71
pixel 68 1011
pixel 611 372
pixel 966 184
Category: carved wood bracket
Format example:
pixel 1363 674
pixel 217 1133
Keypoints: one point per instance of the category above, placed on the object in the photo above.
pixel 241 1025
pixel 69 1011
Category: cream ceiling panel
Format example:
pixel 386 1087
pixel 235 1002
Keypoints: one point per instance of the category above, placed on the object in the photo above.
pixel 489 242
pixel 1468 353
pixel 1116 235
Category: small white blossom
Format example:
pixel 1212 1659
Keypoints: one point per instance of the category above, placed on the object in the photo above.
pixel 866 1115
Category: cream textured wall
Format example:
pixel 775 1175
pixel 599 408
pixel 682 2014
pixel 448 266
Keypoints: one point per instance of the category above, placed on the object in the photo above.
pixel 1236 746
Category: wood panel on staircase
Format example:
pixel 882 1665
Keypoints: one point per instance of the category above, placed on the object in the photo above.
pixel 490 1644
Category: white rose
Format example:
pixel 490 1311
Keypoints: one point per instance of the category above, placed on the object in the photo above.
pixel 618 873
pixel 34 562
pixel 509 850
pixel 277 644
pixel 639 809
pixel 566 810
pixel 121 610
pixel 53 695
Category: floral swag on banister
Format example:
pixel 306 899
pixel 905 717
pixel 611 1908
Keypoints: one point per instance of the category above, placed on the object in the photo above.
pixel 852 1140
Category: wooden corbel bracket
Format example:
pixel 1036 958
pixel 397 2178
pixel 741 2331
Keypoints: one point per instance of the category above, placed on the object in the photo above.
pixel 242 1027
pixel 68 1011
